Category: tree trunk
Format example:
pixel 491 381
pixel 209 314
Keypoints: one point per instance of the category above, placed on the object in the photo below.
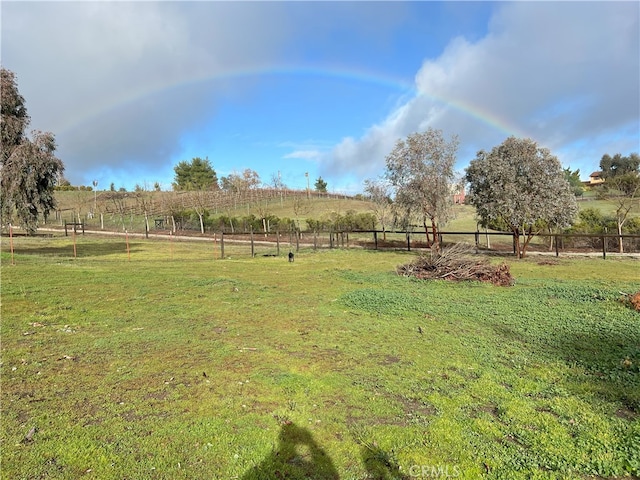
pixel 621 248
pixel 436 239
pixel 200 215
pixel 426 231
pixel 516 239
pixel 528 236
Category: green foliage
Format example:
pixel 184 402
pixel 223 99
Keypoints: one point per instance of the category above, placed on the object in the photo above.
pixel 320 185
pixel 15 118
pixel 198 174
pixel 349 222
pixel 521 185
pixel 573 177
pixel 420 169
pixel 618 165
pixel 591 220
pixel 28 181
pixel 29 165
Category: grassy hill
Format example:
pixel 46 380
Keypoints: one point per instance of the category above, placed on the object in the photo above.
pixel 129 207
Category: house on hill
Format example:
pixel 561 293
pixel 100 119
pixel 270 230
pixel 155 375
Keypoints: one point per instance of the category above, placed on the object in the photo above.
pixel 595 178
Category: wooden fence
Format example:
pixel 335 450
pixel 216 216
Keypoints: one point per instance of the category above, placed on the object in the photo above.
pixel 416 240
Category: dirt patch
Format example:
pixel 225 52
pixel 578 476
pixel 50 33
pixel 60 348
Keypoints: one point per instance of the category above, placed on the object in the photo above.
pixel 548 262
pixel 626 414
pixel 389 360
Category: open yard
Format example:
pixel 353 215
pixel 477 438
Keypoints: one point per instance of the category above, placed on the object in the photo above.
pixel 174 364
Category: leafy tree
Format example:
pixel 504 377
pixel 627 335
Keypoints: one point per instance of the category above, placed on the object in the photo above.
pixel 573 177
pixel 29 168
pixel 320 185
pixel 420 169
pixel 15 119
pixel 198 174
pixel 619 165
pixel 523 186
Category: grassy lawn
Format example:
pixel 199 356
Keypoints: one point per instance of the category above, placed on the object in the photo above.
pixel 175 365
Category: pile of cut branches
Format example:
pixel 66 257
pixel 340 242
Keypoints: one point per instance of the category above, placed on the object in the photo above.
pixel 632 301
pixel 456 263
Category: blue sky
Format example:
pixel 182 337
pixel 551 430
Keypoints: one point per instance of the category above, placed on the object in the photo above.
pixel 132 88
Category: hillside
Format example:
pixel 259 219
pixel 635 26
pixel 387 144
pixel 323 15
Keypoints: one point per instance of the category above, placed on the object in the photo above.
pixel 115 206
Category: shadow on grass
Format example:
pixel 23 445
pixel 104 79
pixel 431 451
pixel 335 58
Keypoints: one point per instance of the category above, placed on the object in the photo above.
pixel 83 250
pixel 380 465
pixel 297 456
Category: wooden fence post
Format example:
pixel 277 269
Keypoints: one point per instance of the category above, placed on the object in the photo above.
pixel 252 247
pixel 604 247
pixel 222 246
pixel 375 239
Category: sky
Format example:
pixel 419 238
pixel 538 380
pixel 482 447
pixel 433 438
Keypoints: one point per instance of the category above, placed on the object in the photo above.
pixel 287 89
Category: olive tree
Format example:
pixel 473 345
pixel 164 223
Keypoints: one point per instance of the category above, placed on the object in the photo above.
pixel 29 168
pixel 522 187
pixel 420 169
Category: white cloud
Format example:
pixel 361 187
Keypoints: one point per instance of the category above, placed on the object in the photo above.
pixel 95 73
pixel 304 154
pixel 561 73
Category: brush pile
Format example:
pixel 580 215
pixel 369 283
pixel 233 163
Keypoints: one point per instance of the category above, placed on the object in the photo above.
pixel 634 301
pixel 456 263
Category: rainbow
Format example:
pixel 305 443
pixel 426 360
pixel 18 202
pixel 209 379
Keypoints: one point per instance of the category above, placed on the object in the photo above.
pixel 396 84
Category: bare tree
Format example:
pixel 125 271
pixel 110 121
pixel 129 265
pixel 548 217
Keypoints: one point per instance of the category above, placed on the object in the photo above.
pixel 379 192
pixel 301 207
pixel 624 192
pixel 198 201
pixel 420 169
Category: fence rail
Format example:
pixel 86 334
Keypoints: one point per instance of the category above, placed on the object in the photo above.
pixel 271 243
pixel 555 243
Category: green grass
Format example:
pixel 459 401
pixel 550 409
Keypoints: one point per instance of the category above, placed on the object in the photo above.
pixel 178 365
